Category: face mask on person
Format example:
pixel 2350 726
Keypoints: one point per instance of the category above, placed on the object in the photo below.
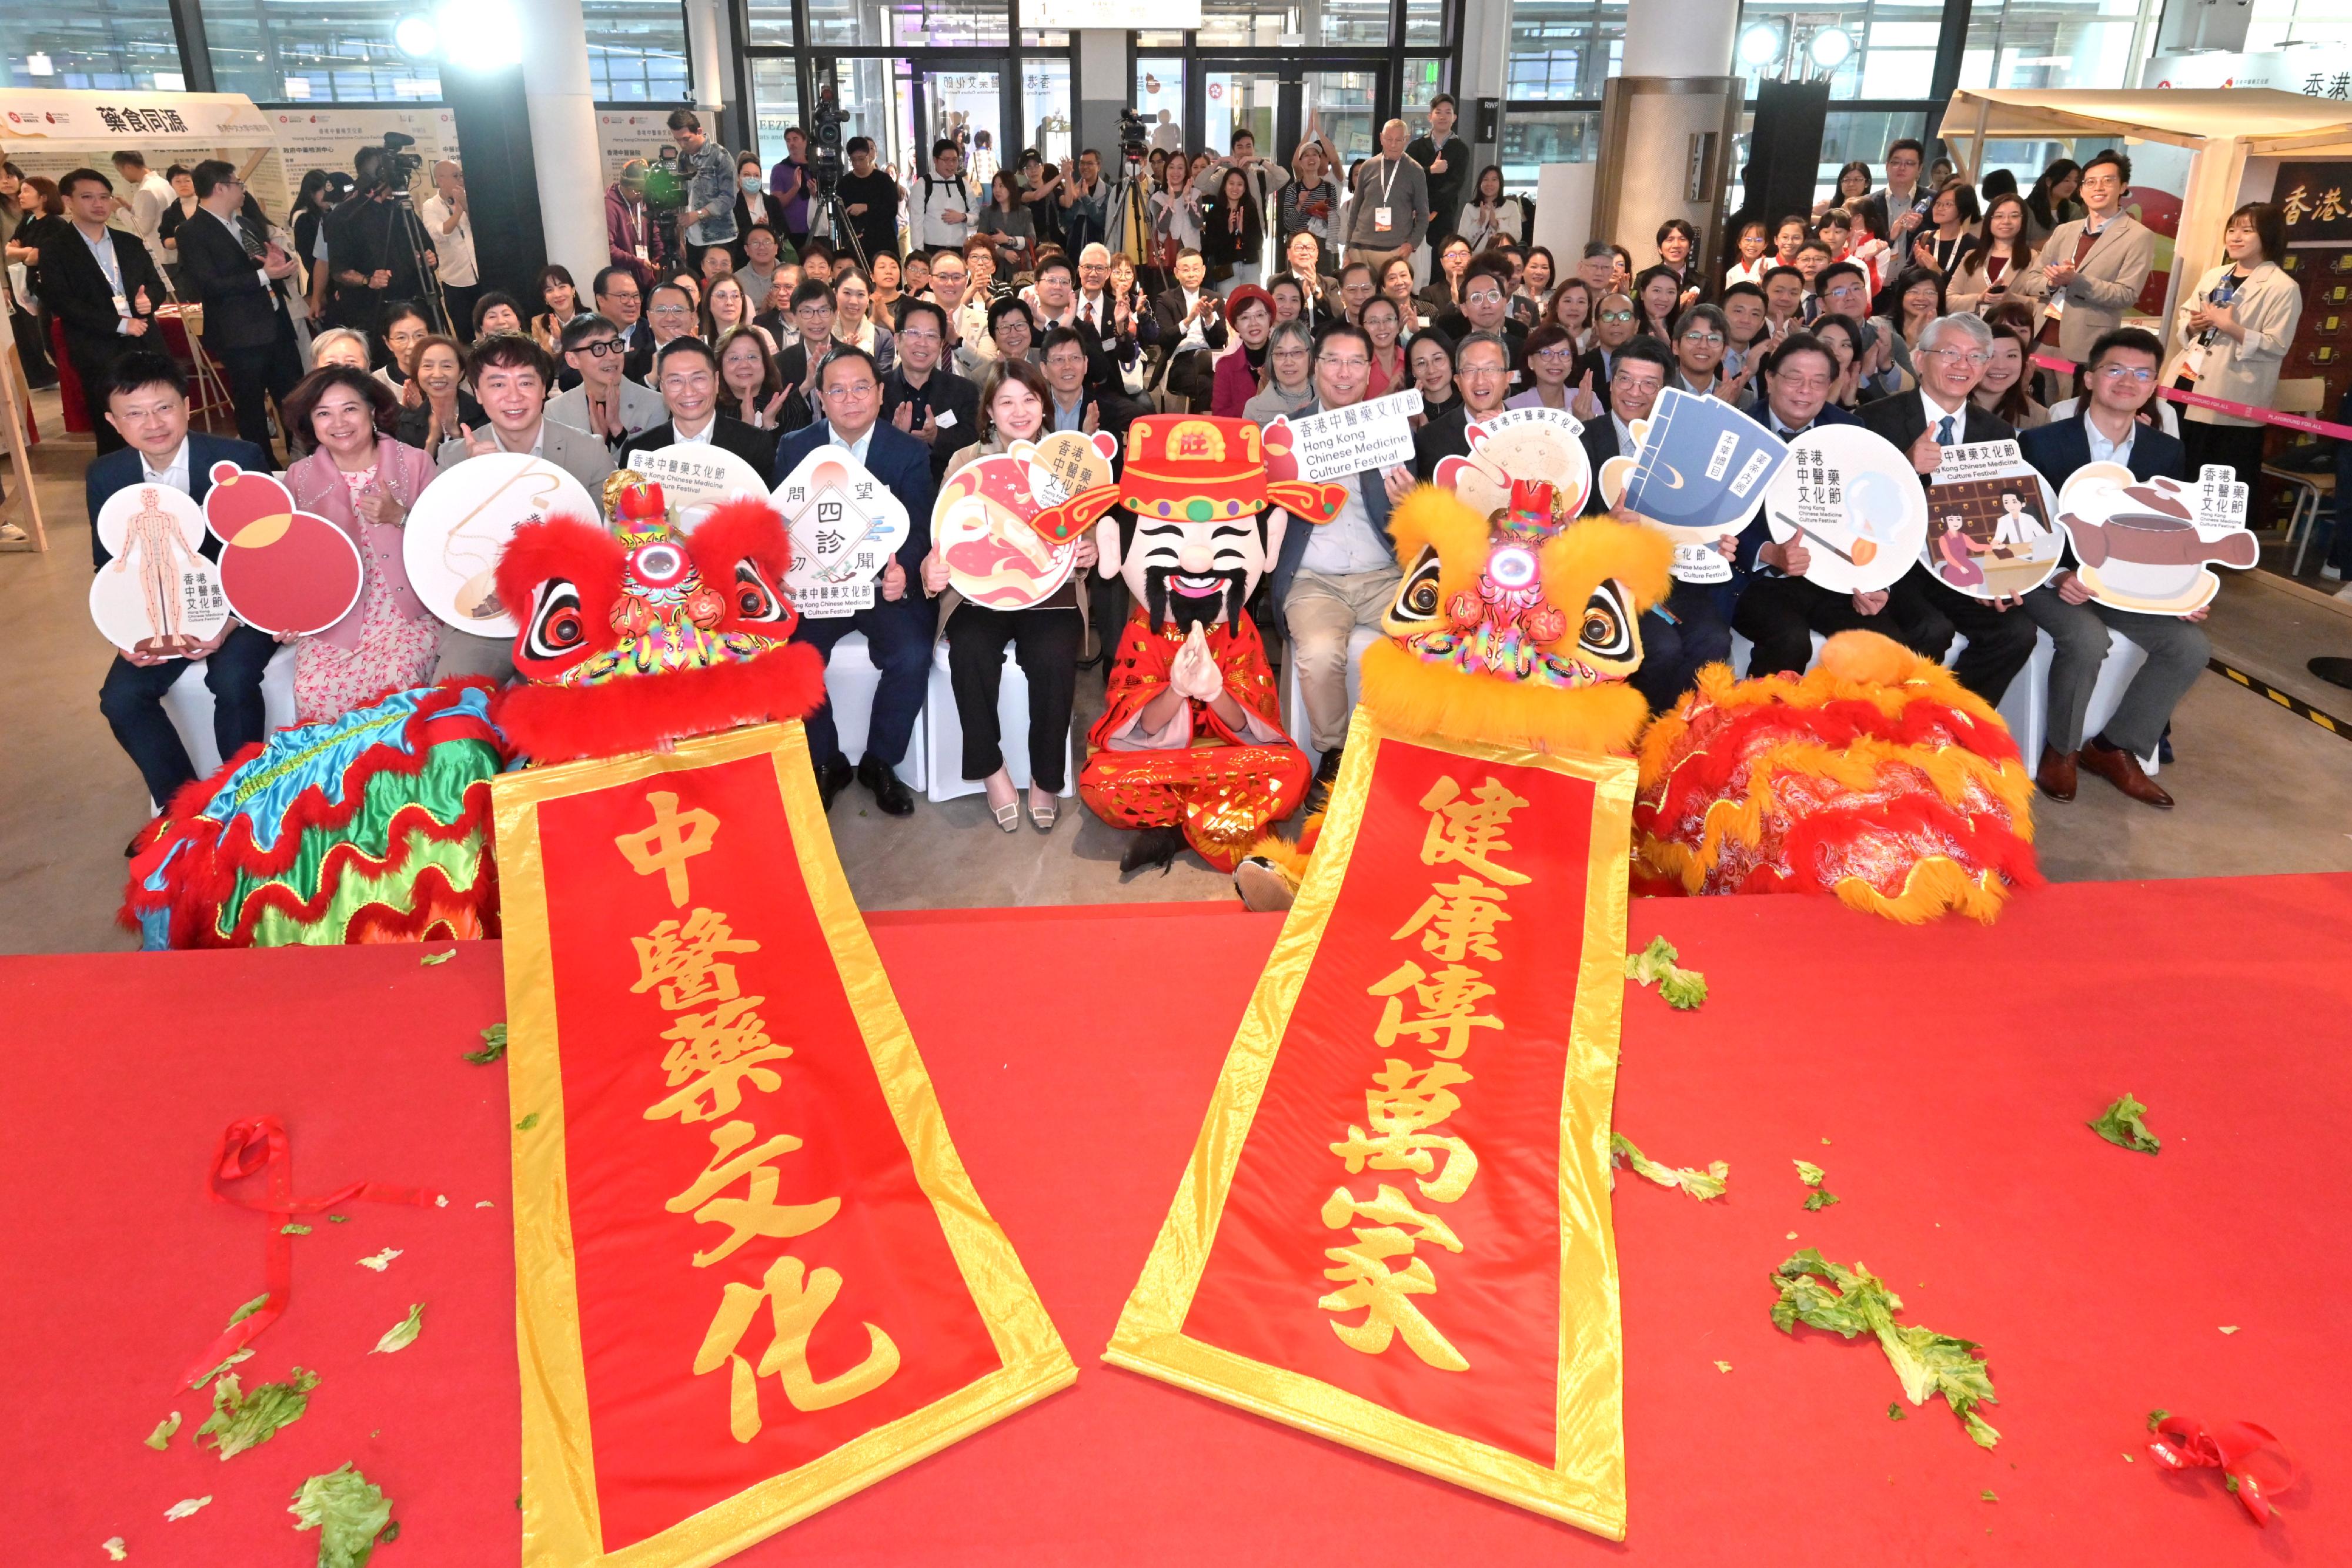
pixel 751 185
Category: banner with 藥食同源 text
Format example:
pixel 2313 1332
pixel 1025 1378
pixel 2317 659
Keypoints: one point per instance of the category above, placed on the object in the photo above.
pixel 753 1274
pixel 1394 1230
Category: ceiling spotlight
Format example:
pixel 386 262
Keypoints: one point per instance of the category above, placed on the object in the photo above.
pixel 1831 47
pixel 492 32
pixel 415 37
pixel 1759 46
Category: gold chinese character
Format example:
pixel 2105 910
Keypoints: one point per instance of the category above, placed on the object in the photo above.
pixel 1468 832
pixel 681 957
pixel 1399 1112
pixel 1448 1000
pixel 796 1300
pixel 2331 205
pixel 757 1213
pixel 666 845
pixel 1457 920
pixel 1365 1280
pixel 2297 204
pixel 717 1050
pixel 1387 1207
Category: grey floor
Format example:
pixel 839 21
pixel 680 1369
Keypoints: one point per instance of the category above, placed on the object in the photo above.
pixel 2260 790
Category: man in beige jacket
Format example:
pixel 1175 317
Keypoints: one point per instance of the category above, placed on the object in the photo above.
pixel 2092 268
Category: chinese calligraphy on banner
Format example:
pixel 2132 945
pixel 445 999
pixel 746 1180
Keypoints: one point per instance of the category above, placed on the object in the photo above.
pixel 1395 1231
pixel 755 1275
pixel 2315 199
pixel 844 524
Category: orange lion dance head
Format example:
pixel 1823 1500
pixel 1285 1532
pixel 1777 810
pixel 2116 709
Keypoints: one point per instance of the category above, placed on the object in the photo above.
pixel 1875 777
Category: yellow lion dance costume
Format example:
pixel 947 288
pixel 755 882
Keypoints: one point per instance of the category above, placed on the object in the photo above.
pixel 1518 629
pixel 1875 777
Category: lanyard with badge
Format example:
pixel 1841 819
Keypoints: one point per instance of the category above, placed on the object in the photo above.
pixel 2193 361
pixel 110 264
pixel 1383 215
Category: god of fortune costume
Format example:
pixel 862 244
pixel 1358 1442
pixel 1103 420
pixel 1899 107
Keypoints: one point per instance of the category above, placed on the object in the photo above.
pixel 376 826
pixel 1518 629
pixel 1191 541
pixel 1875 777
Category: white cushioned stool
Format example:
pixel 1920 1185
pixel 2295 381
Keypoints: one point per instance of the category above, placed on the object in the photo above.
pixel 943 728
pixel 850 680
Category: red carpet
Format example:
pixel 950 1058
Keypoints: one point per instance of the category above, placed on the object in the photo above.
pixel 1952 1070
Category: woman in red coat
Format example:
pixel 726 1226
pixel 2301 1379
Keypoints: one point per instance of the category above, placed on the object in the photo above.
pixel 1241 373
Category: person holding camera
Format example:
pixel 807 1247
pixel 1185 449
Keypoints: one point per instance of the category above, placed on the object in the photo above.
pixel 708 219
pixel 869 200
pixel 368 242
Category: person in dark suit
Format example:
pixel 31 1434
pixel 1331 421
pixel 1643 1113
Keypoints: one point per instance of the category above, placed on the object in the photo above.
pixel 686 374
pixel 1686 630
pixel 237 275
pixel 102 288
pixel 899 624
pixel 1950 359
pixel 923 398
pixel 1192 329
pixel 1482 376
pixel 147 407
pixel 2121 375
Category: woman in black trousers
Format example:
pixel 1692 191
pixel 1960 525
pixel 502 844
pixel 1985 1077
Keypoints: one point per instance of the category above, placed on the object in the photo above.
pixel 1046 638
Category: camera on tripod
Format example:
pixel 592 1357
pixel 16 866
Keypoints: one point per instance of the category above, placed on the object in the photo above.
pixel 1132 135
pixel 825 120
pixel 399 165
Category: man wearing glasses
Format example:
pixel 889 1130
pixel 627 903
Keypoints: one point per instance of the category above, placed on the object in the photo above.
pixel 933 405
pixel 670 311
pixel 621 301
pixel 1950 361
pixel 2108 429
pixel 607 403
pixel 2091 270
pixel 899 625
pixel 1615 323
pixel 1335 577
pixel 1486 288
pixel 1699 340
pixel 1482 375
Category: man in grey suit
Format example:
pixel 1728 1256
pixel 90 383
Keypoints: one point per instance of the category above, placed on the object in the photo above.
pixel 2091 269
pixel 606 405
pixel 511 377
pixel 1389 214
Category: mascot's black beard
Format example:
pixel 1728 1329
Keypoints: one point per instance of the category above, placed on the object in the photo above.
pixel 1189 609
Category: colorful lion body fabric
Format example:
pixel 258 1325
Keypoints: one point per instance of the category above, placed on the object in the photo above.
pixel 374 826
pixel 1875 777
pixel 1520 628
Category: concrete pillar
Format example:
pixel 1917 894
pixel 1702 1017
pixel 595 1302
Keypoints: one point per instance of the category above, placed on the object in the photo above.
pixel 563 134
pixel 1675 90
pixel 706 53
pixel 1103 90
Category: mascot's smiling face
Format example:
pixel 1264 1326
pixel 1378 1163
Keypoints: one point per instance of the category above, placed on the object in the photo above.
pixel 1191 572
pixel 1516 629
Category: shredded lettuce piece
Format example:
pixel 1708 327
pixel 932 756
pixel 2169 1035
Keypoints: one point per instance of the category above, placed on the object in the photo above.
pixel 1655 965
pixel 2121 1125
pixel 1701 1184
pixel 240 1420
pixel 402 1334
pixel 161 1437
pixel 348 1511
pixel 494 1046
pixel 1849 1302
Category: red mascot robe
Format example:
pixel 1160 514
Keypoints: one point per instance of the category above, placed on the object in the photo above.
pixel 1221 786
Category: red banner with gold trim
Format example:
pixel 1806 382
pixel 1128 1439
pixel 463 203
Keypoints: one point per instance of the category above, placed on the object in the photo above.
pixel 1394 1230
pixel 753 1276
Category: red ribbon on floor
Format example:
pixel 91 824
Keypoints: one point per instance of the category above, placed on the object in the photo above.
pixel 2221 405
pixel 2233 1447
pixel 259 1143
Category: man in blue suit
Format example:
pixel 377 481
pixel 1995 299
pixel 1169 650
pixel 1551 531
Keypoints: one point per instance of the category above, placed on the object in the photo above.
pixel 2121 375
pixel 900 625
pixel 147 403
pixel 1337 576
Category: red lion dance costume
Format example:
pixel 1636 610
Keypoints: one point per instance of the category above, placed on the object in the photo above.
pixel 374 826
pixel 1875 777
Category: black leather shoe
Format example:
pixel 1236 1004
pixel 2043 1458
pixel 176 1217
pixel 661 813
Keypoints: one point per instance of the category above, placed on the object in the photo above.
pixel 1326 773
pixel 890 793
pixel 832 778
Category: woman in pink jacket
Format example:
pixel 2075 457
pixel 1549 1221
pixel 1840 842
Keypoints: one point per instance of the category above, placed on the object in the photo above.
pixel 1240 371
pixel 362 481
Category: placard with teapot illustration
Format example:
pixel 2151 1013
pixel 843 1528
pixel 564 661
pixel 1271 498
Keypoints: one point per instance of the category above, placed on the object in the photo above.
pixel 2148 545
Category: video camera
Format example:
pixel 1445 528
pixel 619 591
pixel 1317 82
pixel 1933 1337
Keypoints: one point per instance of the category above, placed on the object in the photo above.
pixel 1133 133
pixel 399 166
pixel 825 120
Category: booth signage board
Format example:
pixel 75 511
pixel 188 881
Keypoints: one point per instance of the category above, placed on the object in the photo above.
pixel 625 133
pixel 329 138
pixel 2315 199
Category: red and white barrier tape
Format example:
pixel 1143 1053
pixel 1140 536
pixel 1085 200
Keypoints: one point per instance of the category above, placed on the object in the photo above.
pixel 2223 404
